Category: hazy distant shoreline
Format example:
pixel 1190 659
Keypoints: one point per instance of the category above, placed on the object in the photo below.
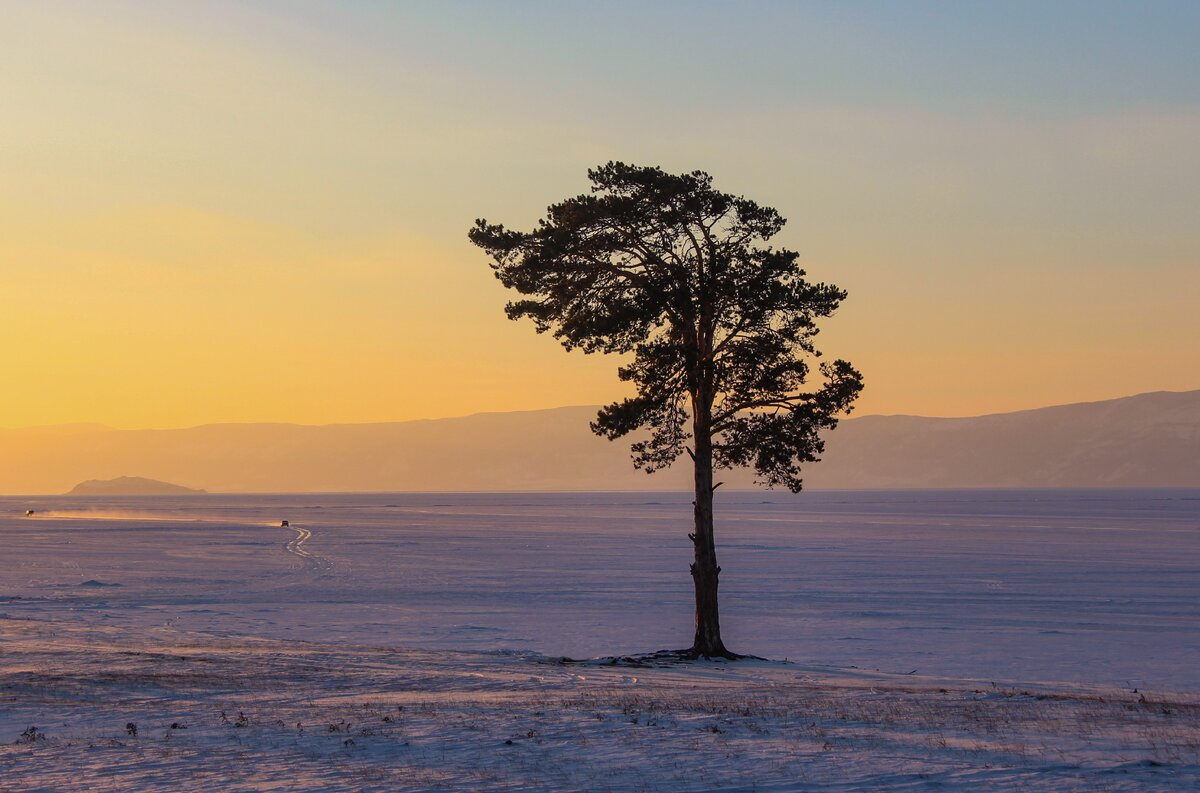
pixel 131 486
pixel 1145 441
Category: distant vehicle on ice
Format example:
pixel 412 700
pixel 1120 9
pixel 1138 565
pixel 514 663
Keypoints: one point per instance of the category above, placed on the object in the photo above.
pixel 283 524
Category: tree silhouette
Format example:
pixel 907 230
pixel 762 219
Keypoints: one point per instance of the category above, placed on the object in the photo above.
pixel 719 324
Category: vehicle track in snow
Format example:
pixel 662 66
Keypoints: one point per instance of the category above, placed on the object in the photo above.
pixel 312 562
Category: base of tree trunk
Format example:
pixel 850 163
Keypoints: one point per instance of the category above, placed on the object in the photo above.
pixel 660 658
pixel 695 654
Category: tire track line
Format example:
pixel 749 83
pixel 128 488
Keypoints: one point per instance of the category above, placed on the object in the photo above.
pixel 312 562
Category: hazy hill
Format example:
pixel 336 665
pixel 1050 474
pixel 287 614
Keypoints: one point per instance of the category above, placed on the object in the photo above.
pixel 1140 441
pixel 1149 440
pixel 129 486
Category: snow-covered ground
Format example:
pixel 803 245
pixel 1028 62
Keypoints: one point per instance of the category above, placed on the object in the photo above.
pixel 967 640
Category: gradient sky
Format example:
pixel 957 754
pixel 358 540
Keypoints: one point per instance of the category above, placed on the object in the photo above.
pixel 258 211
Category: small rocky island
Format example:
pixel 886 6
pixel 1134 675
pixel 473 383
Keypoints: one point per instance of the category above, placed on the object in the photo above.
pixel 130 486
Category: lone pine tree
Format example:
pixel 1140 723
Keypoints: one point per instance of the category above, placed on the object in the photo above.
pixel 720 326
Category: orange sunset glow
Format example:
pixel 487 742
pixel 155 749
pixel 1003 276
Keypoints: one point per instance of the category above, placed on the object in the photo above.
pixel 246 213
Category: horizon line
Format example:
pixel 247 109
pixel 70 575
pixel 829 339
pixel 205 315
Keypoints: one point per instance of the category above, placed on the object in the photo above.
pixel 95 426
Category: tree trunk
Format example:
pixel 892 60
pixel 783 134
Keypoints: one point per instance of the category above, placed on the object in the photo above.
pixel 704 569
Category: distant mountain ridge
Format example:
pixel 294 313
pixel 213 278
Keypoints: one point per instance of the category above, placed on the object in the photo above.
pixel 129 486
pixel 1148 440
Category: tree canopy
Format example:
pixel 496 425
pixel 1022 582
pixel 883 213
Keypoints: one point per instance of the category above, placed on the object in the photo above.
pixel 721 326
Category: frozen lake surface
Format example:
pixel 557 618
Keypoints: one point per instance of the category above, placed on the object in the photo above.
pixel 981 642
pixel 1087 586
